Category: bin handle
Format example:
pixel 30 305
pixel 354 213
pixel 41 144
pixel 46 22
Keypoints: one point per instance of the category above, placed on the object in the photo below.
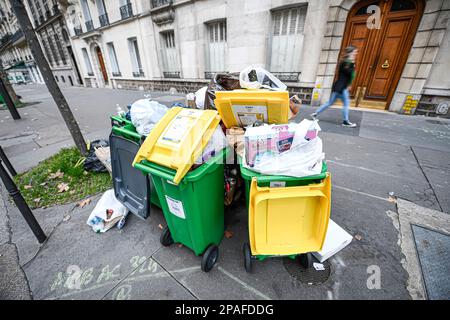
pixel 155 172
pixel 126 132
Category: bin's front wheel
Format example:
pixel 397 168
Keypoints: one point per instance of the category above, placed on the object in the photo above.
pixel 166 238
pixel 210 258
pixel 305 260
pixel 247 258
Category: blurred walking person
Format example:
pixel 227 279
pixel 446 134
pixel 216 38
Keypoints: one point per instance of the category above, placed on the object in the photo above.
pixel 340 88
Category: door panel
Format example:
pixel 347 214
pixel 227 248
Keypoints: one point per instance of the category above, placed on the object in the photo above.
pixel 392 48
pixel 102 65
pixel 382 53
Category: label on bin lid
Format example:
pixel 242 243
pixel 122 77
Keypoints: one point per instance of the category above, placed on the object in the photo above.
pixel 248 115
pixel 180 126
pixel 277 184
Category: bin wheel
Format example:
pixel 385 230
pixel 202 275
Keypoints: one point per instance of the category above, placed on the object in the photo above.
pixel 305 260
pixel 166 238
pixel 210 258
pixel 247 258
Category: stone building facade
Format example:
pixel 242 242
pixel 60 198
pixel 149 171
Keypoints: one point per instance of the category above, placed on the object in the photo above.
pixel 159 44
pixel 17 60
pixel 49 24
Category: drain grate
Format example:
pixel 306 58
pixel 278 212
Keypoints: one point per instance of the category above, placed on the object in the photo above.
pixel 308 276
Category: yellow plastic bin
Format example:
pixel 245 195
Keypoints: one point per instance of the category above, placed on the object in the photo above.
pixel 287 221
pixel 244 107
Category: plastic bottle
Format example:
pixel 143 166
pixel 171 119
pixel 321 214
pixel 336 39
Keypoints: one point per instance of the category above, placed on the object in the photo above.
pixel 120 111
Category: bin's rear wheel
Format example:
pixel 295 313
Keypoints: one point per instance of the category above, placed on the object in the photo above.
pixel 210 258
pixel 305 260
pixel 247 258
pixel 166 238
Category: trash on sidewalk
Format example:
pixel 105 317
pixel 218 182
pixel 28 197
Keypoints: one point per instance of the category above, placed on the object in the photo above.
pixel 257 78
pixel 92 162
pixel 190 100
pixel 294 104
pixel 289 150
pixel 104 156
pixel 106 213
pixel 200 95
pixel 220 82
pixel 318 266
pixel 335 240
pixel 145 114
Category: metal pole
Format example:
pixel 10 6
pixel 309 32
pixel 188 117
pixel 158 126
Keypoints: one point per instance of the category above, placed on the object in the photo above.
pixel 8 164
pixel 21 204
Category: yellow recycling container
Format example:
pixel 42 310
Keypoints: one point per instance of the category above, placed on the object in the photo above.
pixel 287 221
pixel 245 107
pixel 179 139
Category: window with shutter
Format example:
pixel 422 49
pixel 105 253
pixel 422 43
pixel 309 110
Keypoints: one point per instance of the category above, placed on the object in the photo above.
pixel 171 68
pixel 287 42
pixel 216 49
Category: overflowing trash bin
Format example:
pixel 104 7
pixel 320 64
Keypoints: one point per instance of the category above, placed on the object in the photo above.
pixel 192 199
pixel 287 216
pixel 133 189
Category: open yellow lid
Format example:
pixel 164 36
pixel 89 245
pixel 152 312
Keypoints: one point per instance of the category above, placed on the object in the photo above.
pixel 178 139
pixel 245 107
pixel 289 220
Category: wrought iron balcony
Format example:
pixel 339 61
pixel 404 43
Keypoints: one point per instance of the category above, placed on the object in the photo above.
pixel 104 21
pixel 287 76
pixel 126 11
pixel 77 30
pixel 17 35
pixel 117 74
pixel 160 3
pixel 211 74
pixel 90 74
pixel 171 74
pixel 56 9
pixel 139 74
pixel 89 25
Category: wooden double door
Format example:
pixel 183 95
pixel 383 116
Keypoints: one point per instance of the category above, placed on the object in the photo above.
pixel 383 31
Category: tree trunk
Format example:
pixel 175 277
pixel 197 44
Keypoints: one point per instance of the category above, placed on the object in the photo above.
pixel 7 84
pixel 53 88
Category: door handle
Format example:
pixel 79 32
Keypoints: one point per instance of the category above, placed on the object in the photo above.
pixel 386 64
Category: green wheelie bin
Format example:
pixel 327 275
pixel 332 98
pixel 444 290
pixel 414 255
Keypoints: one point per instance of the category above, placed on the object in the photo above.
pixel 193 209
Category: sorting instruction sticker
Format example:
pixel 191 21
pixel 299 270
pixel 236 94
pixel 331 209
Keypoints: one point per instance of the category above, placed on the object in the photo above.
pixel 175 207
pixel 278 184
pixel 248 115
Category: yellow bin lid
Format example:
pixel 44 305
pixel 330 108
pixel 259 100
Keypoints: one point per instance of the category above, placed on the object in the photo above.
pixel 178 139
pixel 244 107
pixel 289 220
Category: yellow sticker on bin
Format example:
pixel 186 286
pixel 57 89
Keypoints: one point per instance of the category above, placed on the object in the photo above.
pixel 245 107
pixel 178 139
pixel 290 220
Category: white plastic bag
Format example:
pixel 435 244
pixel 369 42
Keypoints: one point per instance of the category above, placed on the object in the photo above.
pixel 200 98
pixel 99 220
pixel 217 142
pixel 304 158
pixel 257 77
pixel 145 114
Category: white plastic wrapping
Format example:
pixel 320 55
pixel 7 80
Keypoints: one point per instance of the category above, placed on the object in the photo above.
pixel 217 142
pixel 98 219
pixel 264 79
pixel 145 114
pixel 304 158
pixel 200 98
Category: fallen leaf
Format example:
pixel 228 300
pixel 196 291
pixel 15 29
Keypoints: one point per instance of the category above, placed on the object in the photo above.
pixel 66 218
pixel 62 187
pixel 228 234
pixel 37 200
pixel 160 226
pixel 28 186
pixel 84 202
pixel 43 184
pixel 358 237
pixel 56 175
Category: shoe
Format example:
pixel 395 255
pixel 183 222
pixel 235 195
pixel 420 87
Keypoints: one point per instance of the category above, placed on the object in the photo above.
pixel 348 124
pixel 313 116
